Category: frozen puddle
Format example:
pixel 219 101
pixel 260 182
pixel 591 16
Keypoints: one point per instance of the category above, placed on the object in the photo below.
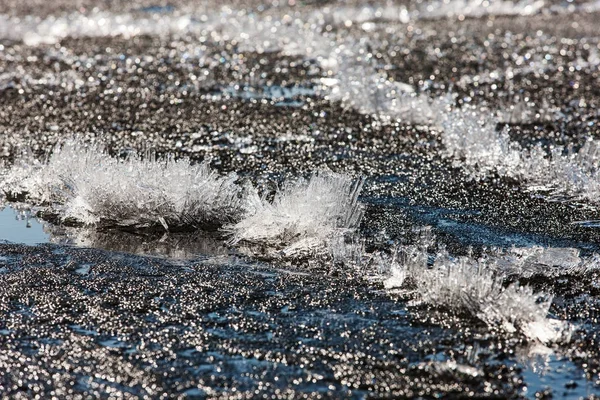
pixel 174 246
pixel 21 227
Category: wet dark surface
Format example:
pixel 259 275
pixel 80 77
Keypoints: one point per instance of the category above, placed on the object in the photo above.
pixel 96 322
pixel 199 320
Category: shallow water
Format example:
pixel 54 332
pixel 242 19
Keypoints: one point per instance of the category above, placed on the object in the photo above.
pixel 21 227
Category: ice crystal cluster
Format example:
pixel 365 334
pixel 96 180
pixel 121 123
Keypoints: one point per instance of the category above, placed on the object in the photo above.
pixel 550 262
pixel 359 85
pixel 88 185
pixel 472 137
pixel 306 214
pixel 140 192
pixel 476 287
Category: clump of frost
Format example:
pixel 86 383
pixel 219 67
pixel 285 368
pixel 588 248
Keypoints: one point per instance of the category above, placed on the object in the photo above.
pixel 476 8
pixel 305 216
pixel 473 287
pixel 296 33
pixel 450 367
pixel 348 250
pixel 359 86
pixel 250 30
pixel 86 184
pixel 543 261
pixel 566 174
pixel 28 177
pixel 476 287
pixel 472 138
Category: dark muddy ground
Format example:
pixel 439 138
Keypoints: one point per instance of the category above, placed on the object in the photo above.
pixel 201 320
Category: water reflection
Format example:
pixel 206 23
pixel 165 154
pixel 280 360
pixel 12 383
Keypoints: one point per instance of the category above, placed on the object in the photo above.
pixel 543 369
pixel 22 226
pixel 172 245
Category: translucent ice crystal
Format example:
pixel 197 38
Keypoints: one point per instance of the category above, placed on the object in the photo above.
pixel 470 286
pixel 477 286
pixel 304 216
pixel 88 185
pixel 472 138
pixel 544 261
pixel 358 85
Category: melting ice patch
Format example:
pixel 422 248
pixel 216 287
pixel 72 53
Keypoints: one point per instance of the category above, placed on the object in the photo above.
pixel 86 184
pixel 307 215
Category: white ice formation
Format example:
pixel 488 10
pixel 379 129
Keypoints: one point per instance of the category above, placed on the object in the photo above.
pixel 357 85
pixel 251 26
pixel 85 184
pixel 88 185
pixel 477 286
pixel 306 215
pixel 473 139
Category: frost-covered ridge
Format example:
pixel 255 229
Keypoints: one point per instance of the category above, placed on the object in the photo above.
pixel 245 24
pixel 249 30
